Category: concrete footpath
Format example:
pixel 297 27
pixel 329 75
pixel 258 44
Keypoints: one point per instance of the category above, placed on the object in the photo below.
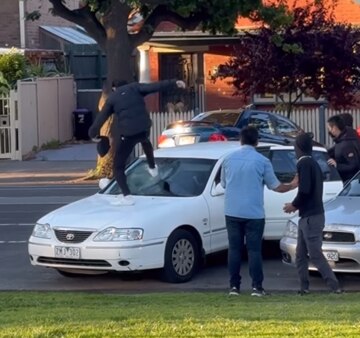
pixel 66 165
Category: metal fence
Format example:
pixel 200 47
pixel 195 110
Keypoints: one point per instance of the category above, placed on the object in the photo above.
pixel 313 120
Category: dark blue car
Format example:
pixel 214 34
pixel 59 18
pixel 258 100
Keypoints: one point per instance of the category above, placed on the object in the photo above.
pixel 222 125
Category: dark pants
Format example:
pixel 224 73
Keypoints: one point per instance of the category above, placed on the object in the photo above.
pixel 123 148
pixel 309 244
pixel 238 230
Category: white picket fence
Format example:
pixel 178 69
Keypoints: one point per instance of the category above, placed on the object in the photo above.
pixel 311 120
pixel 160 121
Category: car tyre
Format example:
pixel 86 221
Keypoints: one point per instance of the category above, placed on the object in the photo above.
pixel 182 257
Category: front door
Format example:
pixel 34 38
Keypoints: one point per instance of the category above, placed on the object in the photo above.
pixel 182 67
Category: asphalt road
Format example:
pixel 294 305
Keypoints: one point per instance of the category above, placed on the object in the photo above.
pixel 21 206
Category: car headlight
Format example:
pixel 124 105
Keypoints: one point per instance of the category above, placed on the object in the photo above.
pixel 291 229
pixel 42 231
pixel 119 234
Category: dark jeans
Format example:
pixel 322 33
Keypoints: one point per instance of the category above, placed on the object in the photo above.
pixel 309 243
pixel 123 148
pixel 238 230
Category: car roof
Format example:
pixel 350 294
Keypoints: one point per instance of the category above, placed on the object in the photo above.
pixel 214 150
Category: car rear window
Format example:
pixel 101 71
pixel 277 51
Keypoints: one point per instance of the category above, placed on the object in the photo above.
pixel 222 118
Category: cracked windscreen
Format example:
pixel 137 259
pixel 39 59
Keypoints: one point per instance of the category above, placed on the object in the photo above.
pixel 181 177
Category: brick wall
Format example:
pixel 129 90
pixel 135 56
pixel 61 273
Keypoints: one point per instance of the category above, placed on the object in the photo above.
pixel 10 25
pixel 32 27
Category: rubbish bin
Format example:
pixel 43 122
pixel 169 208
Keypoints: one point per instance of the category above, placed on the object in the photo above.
pixel 82 122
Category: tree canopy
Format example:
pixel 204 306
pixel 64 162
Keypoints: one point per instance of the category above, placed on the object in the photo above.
pixel 313 55
pixel 107 21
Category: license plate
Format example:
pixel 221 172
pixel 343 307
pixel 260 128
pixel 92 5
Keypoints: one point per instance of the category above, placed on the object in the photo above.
pixel 331 255
pixel 186 140
pixel 67 252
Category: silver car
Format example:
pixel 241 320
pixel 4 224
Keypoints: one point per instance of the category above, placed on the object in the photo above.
pixel 341 235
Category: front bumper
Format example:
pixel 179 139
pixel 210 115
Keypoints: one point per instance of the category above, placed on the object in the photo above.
pixel 349 255
pixel 124 256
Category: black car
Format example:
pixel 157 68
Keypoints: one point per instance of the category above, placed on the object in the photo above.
pixel 222 125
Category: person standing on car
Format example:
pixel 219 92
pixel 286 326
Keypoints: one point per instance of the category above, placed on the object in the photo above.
pixel 345 155
pixel 131 125
pixel 243 176
pixel 309 202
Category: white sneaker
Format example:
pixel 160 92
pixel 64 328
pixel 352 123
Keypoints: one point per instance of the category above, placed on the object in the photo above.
pixel 123 200
pixel 153 171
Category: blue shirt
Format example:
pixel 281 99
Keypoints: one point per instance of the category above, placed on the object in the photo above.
pixel 243 175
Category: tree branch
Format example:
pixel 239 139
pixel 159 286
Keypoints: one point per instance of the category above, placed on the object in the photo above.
pixel 160 14
pixel 83 17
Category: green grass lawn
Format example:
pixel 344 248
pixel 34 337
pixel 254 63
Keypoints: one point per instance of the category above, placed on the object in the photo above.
pixel 66 314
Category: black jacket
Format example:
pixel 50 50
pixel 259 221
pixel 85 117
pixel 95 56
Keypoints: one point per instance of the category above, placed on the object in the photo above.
pixel 346 153
pixel 128 106
pixel 309 199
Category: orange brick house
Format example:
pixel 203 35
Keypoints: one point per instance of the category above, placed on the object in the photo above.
pixel 194 56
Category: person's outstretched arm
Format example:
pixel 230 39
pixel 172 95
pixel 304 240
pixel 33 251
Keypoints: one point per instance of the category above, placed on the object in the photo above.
pixel 149 88
pixel 100 119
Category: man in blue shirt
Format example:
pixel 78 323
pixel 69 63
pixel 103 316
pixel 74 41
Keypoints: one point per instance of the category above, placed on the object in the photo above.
pixel 243 176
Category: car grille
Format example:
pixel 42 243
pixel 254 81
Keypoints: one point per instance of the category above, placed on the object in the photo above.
pixel 77 262
pixel 333 236
pixel 70 236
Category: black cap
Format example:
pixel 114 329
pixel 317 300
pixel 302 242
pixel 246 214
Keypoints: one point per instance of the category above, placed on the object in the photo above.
pixel 103 146
pixel 304 143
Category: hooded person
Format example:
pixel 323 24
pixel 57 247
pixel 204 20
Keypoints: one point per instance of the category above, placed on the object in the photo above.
pixel 131 126
pixel 345 154
pixel 309 203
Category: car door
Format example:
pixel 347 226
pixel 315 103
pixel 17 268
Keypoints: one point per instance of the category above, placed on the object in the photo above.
pixel 284 164
pixel 215 202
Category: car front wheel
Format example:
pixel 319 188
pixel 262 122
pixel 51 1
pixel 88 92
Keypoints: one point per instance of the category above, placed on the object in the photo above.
pixel 181 257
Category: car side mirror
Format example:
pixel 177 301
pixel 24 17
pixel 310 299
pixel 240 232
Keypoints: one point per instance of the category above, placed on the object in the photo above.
pixel 217 190
pixel 103 182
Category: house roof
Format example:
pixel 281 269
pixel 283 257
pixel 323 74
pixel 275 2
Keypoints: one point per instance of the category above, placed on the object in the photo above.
pixel 70 34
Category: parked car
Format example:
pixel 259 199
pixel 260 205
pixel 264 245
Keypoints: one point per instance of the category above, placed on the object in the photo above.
pixel 341 235
pixel 222 125
pixel 178 217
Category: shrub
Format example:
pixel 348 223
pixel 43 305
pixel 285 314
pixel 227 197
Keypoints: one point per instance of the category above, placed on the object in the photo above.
pixel 13 66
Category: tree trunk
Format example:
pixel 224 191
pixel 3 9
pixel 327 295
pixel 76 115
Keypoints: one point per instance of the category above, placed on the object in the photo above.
pixel 120 66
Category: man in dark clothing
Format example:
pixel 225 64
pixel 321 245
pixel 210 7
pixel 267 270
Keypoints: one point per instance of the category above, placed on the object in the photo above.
pixel 312 220
pixel 345 155
pixel 131 125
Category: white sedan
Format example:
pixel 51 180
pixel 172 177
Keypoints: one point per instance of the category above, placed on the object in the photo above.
pixel 178 217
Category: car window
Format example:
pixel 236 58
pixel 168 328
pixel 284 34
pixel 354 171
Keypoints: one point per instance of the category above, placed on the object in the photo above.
pixel 284 164
pixel 353 188
pixel 265 151
pixel 262 122
pixel 224 118
pixel 286 128
pixel 177 177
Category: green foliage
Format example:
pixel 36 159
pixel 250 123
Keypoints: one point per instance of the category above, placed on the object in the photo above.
pixel 53 144
pixel 13 66
pixel 181 314
pixel 312 55
pixel 4 84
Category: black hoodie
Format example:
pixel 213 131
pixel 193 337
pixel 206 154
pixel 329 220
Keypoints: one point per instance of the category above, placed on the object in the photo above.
pixel 310 190
pixel 346 153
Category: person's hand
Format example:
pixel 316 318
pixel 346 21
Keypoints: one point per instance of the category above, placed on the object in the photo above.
pixel 295 182
pixel 332 162
pixel 180 84
pixel 96 139
pixel 289 208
